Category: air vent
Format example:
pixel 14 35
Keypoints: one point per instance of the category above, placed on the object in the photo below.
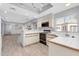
pixel 12 8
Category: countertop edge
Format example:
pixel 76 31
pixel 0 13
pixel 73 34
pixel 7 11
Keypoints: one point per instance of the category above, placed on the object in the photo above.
pixel 64 45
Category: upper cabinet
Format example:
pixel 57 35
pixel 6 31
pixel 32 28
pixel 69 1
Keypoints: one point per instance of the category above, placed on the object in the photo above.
pixel 45 21
pixel 32 25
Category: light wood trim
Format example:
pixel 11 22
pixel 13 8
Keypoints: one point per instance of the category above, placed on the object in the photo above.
pixel 31 33
pixel 51 36
pixel 64 45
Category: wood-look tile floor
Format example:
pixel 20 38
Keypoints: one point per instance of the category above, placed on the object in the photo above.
pixel 10 47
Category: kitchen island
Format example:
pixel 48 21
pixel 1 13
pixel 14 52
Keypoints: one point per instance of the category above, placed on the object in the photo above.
pixel 28 37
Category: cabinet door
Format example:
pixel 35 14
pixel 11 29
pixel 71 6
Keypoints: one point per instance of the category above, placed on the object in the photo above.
pixel 31 39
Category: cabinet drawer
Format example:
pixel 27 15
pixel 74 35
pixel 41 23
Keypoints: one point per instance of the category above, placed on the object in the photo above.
pixel 30 40
pixel 31 35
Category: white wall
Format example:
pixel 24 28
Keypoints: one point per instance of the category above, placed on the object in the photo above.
pixel 71 11
pixel 12 28
pixel 2 27
pixel 0 37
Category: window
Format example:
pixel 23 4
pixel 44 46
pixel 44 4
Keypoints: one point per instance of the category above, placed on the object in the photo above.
pixel 67 23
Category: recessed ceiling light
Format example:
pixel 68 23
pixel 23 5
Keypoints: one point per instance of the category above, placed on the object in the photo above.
pixel 5 11
pixel 68 4
pixel 34 17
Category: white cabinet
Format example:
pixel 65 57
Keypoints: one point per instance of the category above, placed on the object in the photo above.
pixel 47 18
pixel 61 50
pixel 30 38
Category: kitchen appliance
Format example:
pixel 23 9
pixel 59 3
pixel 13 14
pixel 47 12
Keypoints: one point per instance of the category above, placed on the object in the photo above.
pixel 43 36
pixel 45 24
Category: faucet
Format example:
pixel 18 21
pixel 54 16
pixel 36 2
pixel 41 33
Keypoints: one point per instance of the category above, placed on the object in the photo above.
pixel 67 35
pixel 73 36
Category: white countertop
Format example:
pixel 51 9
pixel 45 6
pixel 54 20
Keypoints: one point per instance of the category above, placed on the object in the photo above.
pixel 31 31
pixel 66 41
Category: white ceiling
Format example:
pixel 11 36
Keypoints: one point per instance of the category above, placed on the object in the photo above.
pixel 35 7
pixel 58 7
pixel 20 14
pixel 16 15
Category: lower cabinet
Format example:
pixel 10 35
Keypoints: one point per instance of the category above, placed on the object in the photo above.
pixel 58 50
pixel 30 39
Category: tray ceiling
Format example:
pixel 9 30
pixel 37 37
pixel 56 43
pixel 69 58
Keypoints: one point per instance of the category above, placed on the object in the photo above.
pixel 24 12
pixel 35 7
